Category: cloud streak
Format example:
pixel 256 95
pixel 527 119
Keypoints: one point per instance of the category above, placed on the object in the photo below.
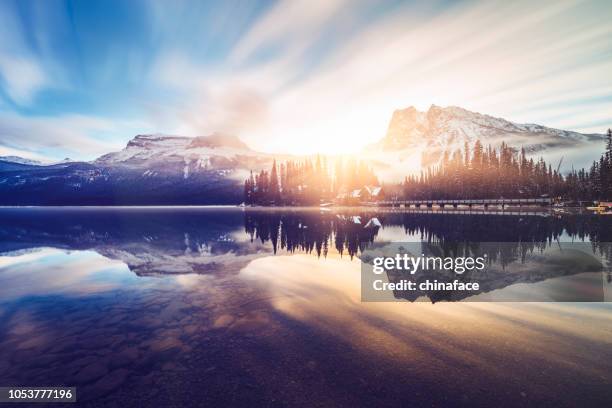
pixel 303 76
pixel 21 75
pixel 75 136
pixel 23 78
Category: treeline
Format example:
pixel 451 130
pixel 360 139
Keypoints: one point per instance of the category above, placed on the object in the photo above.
pixel 474 172
pixel 306 182
pixel 492 173
pixel 599 178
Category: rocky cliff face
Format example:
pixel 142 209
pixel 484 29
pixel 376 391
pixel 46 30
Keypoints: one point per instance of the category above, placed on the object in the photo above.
pixel 445 129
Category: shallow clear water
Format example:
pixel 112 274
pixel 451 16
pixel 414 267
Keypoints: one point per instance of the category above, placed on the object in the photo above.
pixel 193 307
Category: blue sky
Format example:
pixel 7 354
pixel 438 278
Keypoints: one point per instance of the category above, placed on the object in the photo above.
pixel 81 78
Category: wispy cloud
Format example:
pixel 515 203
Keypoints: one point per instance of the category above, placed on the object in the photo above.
pixel 22 77
pixel 291 26
pixel 9 151
pixel 55 137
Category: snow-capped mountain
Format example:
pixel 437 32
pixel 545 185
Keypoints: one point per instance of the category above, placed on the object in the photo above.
pixel 417 139
pixel 447 127
pixel 166 154
pixel 151 169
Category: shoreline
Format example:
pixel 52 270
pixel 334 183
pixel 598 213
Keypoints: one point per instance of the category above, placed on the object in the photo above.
pixel 367 208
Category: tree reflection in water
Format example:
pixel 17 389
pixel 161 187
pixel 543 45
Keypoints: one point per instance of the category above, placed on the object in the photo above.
pixel 314 232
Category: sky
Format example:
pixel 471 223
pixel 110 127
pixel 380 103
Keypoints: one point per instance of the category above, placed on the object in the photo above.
pixel 81 78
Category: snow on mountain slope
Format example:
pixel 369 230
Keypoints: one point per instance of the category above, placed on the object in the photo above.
pixel 453 126
pixel 159 153
pixel 417 139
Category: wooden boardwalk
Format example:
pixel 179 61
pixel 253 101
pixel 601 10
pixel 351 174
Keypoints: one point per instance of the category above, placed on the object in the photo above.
pixel 484 202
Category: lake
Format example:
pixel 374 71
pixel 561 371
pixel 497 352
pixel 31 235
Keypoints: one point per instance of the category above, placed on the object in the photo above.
pixel 244 307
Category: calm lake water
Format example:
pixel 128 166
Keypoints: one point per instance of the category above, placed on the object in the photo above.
pixel 229 307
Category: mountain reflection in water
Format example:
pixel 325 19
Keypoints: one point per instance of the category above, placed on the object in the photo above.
pixel 160 241
pixel 190 307
pixel 212 232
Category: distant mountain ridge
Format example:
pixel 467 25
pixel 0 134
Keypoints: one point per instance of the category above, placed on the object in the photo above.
pixel 20 160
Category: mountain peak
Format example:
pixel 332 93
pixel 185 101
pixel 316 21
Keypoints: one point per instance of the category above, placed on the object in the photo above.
pixel 218 140
pixel 448 128
pixel 451 110
pixel 405 123
pixel 143 150
pixel 215 140
pixel 148 141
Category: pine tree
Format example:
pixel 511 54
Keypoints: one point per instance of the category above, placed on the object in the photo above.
pixel 607 168
pixel 249 190
pixel 274 190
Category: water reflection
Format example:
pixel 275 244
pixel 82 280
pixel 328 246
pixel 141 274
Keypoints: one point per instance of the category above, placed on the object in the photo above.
pixel 353 232
pixel 224 241
pixel 42 272
pixel 149 241
pixel 101 300
pixel 188 240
